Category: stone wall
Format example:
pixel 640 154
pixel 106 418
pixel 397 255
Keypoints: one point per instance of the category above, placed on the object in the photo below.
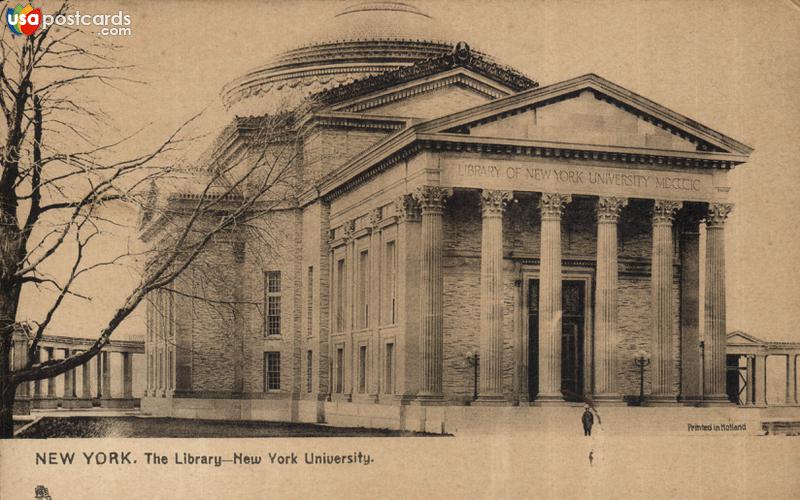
pixel 275 247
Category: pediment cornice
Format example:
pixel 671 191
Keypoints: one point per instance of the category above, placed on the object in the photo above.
pixel 439 134
pixel 704 137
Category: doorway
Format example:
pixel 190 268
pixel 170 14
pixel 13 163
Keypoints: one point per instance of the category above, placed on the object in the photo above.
pixel 573 327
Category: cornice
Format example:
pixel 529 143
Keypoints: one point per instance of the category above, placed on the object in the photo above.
pixel 461 56
pixel 577 151
pixel 409 142
pixel 458 79
pixel 346 120
pixel 619 96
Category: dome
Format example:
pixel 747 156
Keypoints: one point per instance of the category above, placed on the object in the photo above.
pixel 362 40
pixel 378 21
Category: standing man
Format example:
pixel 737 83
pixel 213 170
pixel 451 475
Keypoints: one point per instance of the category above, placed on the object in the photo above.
pixel 588 420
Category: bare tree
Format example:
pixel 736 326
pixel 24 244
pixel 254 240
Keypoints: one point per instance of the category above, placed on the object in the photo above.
pixel 58 182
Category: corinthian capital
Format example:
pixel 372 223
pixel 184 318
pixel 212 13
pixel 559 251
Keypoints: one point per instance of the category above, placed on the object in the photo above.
pixel 348 229
pixel 406 208
pixel 552 205
pixel 375 217
pixel 609 208
pixel 432 198
pixel 493 202
pixel 717 213
pixel 664 211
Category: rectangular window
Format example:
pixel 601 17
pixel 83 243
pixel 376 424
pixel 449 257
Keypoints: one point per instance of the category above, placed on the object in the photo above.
pixel 339 287
pixel 272 371
pixel 389 369
pixel 310 303
pixel 363 290
pixel 339 370
pixel 272 303
pixel 310 371
pixel 362 369
pixel 389 284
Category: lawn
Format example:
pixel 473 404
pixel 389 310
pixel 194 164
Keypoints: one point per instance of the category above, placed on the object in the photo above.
pixel 103 427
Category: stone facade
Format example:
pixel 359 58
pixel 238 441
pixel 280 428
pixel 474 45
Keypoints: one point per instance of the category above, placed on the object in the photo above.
pixel 446 213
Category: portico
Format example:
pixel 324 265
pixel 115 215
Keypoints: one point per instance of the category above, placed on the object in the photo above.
pixel 496 210
pixel 597 279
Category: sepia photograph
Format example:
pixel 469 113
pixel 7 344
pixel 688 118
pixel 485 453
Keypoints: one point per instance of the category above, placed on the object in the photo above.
pixel 392 249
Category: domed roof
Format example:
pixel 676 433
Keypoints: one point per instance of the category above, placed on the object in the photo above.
pixel 362 40
pixel 378 21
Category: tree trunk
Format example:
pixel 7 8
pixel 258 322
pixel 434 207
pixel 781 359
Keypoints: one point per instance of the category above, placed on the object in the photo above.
pixel 7 409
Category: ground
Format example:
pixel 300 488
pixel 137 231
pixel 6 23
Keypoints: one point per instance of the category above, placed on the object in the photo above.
pixel 130 426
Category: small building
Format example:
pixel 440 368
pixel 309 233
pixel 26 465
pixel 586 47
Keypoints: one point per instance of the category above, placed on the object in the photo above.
pixel 458 234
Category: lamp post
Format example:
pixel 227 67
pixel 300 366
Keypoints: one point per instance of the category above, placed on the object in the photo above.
pixel 474 360
pixel 642 359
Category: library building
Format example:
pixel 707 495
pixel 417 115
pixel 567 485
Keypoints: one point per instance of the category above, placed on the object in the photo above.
pixel 461 237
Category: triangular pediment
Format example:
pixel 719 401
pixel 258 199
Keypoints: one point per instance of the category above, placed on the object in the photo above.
pixel 428 88
pixel 587 110
pixel 429 97
pixel 741 338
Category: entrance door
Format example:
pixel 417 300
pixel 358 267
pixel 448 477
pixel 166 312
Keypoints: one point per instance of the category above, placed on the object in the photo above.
pixel 572 327
pixel 573 321
pixel 533 339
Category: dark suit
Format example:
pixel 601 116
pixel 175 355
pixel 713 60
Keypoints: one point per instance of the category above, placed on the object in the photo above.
pixel 588 421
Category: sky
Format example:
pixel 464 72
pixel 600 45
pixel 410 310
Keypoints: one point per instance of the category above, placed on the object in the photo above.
pixel 733 66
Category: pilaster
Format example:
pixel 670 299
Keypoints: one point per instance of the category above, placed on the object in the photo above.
pixel 408 355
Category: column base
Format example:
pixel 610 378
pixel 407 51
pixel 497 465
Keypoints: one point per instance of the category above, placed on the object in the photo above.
pixel 424 399
pixel 661 400
pixel 717 400
pixel 549 400
pixel 404 399
pixel 691 400
pixel 608 400
pixel 491 400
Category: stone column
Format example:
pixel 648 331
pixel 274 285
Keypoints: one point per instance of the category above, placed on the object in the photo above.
pixel 37 385
pixel 760 375
pixel 69 379
pixel 691 390
pixel 127 375
pixel 491 327
pixel 51 382
pixel 86 381
pixel 715 332
pixel 431 200
pixel 99 374
pixel 663 389
pixel 106 358
pixel 605 309
pixel 750 394
pixel 551 206
pixel 791 380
